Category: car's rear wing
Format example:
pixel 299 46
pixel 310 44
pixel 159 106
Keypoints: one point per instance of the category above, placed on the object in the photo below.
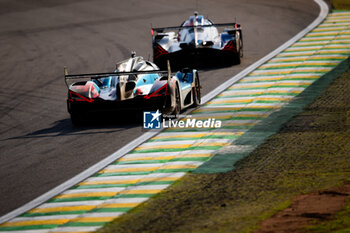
pixel 162 29
pixel 72 77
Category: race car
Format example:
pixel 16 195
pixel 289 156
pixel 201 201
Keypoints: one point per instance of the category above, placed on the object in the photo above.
pixel 197 42
pixel 135 85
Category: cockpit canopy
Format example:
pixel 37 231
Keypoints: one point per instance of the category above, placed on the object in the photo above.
pixel 203 34
pixel 198 20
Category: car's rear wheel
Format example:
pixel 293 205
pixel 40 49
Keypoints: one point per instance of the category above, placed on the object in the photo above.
pixel 77 119
pixel 239 46
pixel 197 92
pixel 177 109
pixel 236 59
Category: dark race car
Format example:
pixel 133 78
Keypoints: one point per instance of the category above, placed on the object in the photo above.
pixel 197 42
pixel 135 85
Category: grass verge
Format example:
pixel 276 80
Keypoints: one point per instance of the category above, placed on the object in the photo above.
pixel 310 152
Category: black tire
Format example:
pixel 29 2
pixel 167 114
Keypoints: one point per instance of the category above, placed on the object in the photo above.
pixel 196 92
pixel 239 46
pixel 77 119
pixel 177 109
pixel 236 59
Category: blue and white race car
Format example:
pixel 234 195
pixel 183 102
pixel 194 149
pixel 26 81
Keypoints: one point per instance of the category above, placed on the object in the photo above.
pixel 197 42
pixel 136 84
